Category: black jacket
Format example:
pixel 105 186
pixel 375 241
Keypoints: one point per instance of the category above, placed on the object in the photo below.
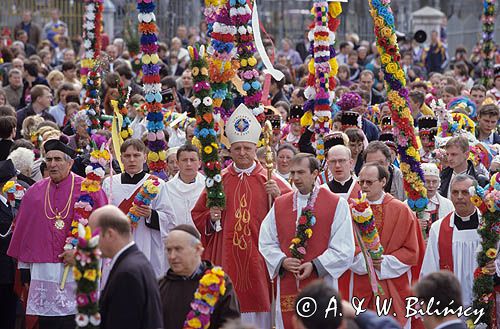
pixel 7 264
pixel 131 297
pixel 447 173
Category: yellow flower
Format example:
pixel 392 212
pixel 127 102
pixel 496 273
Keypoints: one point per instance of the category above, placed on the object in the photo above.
pixel 209 279
pixel 222 288
pixel 194 323
pixel 153 156
pixel 124 134
pixel 210 299
pixel 90 275
pixel 8 186
pixel 400 74
pixel 309 233
pixel 252 61
pixel 77 274
pixel 334 8
pixel 218 271
pixel 476 200
pixel 386 32
pixel 491 253
pixel 392 68
pixel 334 66
pixel 310 66
pixel 295 240
pixel 411 152
pixel 470 324
pixel 162 155
pixel 197 295
pixel 484 270
pixel 379 21
pixel 385 59
pixel 208 149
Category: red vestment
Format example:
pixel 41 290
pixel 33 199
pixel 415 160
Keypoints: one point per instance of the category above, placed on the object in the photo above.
pixel 401 237
pixel 236 247
pixel 324 209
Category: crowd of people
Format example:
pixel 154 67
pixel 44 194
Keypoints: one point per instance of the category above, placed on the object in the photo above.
pixel 154 269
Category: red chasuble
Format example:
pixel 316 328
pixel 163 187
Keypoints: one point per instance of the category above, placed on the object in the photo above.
pixel 324 210
pixel 401 237
pixel 445 242
pixel 236 247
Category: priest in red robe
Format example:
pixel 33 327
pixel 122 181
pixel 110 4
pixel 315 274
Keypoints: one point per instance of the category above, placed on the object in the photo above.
pixel 230 236
pixel 403 244
pixel 330 249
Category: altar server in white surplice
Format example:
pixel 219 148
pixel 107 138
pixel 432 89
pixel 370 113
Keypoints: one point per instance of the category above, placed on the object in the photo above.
pixel 159 217
pixel 453 240
pixel 185 187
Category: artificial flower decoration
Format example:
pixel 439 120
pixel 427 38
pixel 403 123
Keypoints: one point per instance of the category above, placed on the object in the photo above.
pixel 404 131
pixel 304 229
pixel 363 217
pixel 149 190
pixel 322 68
pixel 211 287
pixel 152 87
pixel 86 274
pixel 205 130
pixel 241 15
pixel 487 199
pixel 488 51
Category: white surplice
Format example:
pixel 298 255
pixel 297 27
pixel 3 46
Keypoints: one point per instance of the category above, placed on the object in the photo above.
pixel 330 265
pixel 148 240
pixel 184 197
pixel 466 244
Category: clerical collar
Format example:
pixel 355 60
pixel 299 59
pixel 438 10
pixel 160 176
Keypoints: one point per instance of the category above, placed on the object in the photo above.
pixel 342 183
pixel 470 222
pixel 180 179
pixel 132 179
pixel 247 171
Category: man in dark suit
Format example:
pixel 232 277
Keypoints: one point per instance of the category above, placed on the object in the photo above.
pixel 7 264
pixel 443 289
pixel 131 296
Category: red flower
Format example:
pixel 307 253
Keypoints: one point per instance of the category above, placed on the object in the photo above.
pixel 302 220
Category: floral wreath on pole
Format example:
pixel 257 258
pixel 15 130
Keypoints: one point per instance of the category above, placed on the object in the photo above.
pixel 152 88
pixel 89 72
pixel 487 199
pixel 86 271
pixel 488 52
pixel 241 14
pixel 322 68
pixel 205 128
pixel 404 131
pixel 222 63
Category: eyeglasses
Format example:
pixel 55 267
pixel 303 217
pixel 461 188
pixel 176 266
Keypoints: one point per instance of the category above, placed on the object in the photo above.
pixel 367 182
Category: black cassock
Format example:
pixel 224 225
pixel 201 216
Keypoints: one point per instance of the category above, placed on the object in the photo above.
pixel 177 293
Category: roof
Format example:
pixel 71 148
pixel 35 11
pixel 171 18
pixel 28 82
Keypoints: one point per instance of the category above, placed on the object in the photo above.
pixel 428 12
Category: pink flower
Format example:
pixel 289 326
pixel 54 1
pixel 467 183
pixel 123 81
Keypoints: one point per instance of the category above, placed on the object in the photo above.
pixel 93 296
pixel 202 308
pixel 302 250
pixel 82 300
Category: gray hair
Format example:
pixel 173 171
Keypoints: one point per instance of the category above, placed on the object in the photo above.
pixel 463 177
pixel 23 159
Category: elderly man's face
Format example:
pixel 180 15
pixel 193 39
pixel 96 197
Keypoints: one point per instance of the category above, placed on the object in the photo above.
pixel 183 252
pixel 243 154
pixel 58 165
pixel 460 196
pixel 431 184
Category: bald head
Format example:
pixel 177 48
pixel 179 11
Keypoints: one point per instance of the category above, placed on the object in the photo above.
pixel 110 217
pixel 339 150
pixel 340 162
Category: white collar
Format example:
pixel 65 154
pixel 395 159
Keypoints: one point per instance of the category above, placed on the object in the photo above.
pixel 379 201
pixel 247 171
pixel 447 323
pixel 115 257
pixel 343 182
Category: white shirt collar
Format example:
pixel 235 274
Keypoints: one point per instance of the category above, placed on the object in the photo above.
pixel 115 257
pixel 343 182
pixel 379 201
pixel 247 171
pixel 447 323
